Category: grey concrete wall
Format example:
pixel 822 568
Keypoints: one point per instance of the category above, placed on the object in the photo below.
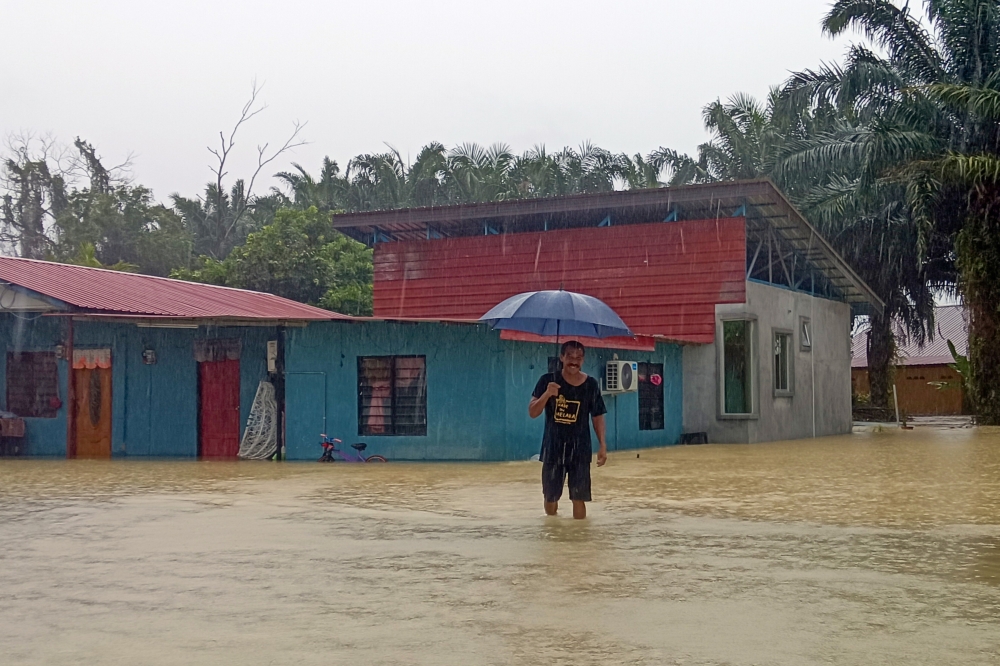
pixel 820 403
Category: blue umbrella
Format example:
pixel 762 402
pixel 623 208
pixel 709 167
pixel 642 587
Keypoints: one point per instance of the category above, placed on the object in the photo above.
pixel 555 313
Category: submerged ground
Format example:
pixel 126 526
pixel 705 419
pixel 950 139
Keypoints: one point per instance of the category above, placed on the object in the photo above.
pixel 876 548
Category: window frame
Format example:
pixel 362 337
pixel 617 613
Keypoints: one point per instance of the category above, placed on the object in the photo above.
pixel 13 360
pixel 720 385
pixel 392 428
pixel 805 334
pixel 659 389
pixel 790 369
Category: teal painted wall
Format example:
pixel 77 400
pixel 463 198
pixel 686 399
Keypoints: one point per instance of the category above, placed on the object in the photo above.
pixel 478 388
pixel 465 376
pixel 527 362
pixel 154 407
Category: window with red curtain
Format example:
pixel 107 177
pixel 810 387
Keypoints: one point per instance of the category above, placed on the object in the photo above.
pixel 392 395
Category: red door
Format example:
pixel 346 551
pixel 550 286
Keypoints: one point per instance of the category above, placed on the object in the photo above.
pixel 219 416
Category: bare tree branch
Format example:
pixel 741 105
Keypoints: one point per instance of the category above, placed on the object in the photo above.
pixel 226 145
pixel 264 157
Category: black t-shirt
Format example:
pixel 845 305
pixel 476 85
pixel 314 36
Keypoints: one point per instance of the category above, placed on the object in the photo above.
pixel 567 419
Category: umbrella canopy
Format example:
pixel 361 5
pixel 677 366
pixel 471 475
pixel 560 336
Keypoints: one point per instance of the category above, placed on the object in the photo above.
pixel 555 313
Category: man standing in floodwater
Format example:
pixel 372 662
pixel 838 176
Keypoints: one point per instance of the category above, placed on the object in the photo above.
pixel 570 400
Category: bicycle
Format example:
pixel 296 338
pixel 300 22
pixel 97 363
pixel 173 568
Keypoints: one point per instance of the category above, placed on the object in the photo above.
pixel 330 448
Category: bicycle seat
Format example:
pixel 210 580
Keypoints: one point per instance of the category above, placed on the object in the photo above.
pixel 360 446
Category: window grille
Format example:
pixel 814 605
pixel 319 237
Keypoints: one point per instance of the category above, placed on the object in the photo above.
pixel 782 363
pixel 392 395
pixel 32 384
pixel 650 396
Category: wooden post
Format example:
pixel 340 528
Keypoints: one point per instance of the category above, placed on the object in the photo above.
pixel 70 394
pixel 895 401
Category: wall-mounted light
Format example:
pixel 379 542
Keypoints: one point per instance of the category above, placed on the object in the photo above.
pixel 149 356
pixel 61 351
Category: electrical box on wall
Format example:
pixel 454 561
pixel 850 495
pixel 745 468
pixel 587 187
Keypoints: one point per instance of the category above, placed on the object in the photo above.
pixel 621 377
pixel 272 355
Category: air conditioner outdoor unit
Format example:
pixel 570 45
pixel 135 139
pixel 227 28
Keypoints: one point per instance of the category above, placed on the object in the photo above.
pixel 621 376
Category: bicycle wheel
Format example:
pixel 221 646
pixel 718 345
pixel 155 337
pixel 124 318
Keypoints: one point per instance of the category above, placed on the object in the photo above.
pixel 376 459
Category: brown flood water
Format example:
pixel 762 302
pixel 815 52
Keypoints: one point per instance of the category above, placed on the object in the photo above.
pixel 869 549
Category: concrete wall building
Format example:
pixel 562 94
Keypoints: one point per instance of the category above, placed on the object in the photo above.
pixel 730 273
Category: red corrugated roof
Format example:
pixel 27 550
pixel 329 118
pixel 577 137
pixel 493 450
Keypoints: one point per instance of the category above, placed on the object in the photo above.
pixel 99 291
pixel 662 279
pixel 949 324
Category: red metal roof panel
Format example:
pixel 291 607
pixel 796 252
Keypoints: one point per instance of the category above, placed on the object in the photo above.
pixel 663 279
pixel 112 292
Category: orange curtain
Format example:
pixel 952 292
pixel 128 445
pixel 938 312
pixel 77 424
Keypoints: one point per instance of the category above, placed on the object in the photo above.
pixel 88 359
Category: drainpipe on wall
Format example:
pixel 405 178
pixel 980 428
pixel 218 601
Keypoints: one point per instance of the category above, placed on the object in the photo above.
pixel 279 393
pixel 70 393
pixel 812 357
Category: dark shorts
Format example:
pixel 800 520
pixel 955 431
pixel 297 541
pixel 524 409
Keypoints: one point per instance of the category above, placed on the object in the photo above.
pixel 554 477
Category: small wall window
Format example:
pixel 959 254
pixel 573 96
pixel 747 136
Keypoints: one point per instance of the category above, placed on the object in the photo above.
pixel 32 384
pixel 805 334
pixel 650 396
pixel 737 367
pixel 392 395
pixel 782 363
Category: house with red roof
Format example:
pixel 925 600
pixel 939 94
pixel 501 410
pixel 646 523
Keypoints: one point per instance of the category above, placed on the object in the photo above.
pixel 101 363
pixel 742 314
pixel 742 309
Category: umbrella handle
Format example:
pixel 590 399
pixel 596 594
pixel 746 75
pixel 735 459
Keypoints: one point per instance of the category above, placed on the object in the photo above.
pixel 558 322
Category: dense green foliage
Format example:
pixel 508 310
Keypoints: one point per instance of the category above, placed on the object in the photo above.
pixel 121 226
pixel 297 256
pixel 470 173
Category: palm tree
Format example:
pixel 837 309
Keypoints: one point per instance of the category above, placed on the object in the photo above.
pixel 438 176
pixel 328 192
pixel 538 173
pixel 219 220
pixel 787 138
pixel 745 138
pixel 475 173
pixel 924 123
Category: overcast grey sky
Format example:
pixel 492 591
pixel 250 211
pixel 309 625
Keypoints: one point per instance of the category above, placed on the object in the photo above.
pixel 162 78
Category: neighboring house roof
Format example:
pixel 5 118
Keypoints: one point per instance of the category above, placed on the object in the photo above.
pixel 102 292
pixel 949 324
pixel 765 210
